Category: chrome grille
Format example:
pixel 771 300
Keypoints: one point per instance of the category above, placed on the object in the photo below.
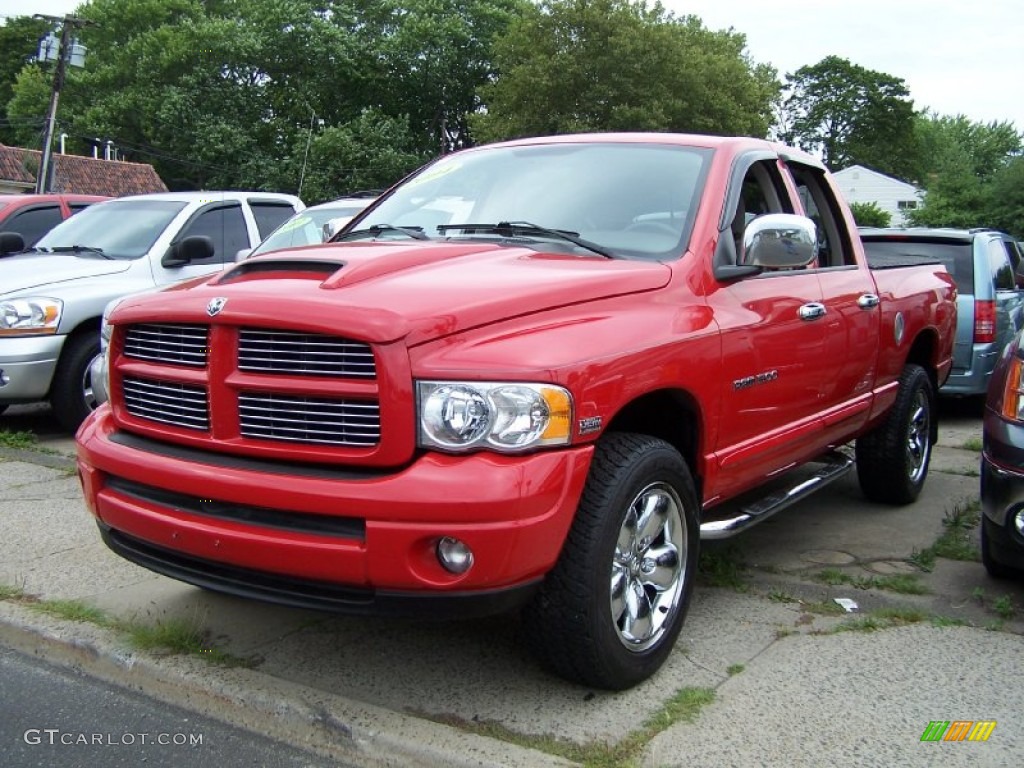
pixel 181 405
pixel 309 354
pixel 177 344
pixel 309 419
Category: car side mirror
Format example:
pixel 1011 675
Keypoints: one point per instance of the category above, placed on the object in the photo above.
pixel 779 241
pixel 11 242
pixel 194 248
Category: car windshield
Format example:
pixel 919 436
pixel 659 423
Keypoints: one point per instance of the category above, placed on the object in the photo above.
pixel 632 200
pixel 307 227
pixel 120 229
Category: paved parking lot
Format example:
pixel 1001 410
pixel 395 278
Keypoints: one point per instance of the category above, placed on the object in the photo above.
pixel 760 642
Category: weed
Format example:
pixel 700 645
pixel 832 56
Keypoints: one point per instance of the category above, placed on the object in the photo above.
pixel 903 583
pixel 972 444
pixel 956 542
pixel 1004 607
pixel 722 567
pixel 948 621
pixel 833 577
pixel 734 669
pixel 778 596
pixel 978 593
pixel 826 608
pixel 9 592
pixel 18 440
pixel 684 706
pixel 73 610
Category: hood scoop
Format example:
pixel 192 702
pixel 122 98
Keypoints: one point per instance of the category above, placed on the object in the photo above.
pixel 309 269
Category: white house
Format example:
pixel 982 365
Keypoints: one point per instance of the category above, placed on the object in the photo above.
pixel 863 185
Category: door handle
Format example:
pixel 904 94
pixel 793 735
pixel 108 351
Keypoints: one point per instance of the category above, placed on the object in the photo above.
pixel 868 301
pixel 812 311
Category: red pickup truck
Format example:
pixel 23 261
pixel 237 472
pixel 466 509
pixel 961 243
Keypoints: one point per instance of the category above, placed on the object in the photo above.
pixel 535 374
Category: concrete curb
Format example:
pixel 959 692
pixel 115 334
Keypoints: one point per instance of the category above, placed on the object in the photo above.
pixel 332 726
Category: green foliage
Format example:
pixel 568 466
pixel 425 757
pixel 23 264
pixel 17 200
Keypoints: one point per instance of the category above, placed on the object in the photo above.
pixel 851 115
pixel 972 173
pixel 588 65
pixel 870 215
pixel 19 41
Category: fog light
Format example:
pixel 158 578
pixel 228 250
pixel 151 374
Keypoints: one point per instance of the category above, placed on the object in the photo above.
pixel 1018 521
pixel 454 555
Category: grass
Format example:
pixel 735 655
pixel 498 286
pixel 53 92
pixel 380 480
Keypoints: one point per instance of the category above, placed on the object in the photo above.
pixel 902 583
pixel 174 636
pixel 972 444
pixel 780 596
pixel 1002 606
pixel 956 542
pixel 684 706
pixel 883 618
pixel 722 566
pixel 734 669
pixel 18 440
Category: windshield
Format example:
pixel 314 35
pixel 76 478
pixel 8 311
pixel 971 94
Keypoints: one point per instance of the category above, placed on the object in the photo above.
pixel 631 199
pixel 307 227
pixel 121 229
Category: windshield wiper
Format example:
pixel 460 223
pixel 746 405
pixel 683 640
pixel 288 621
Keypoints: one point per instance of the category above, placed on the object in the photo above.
pixel 519 228
pixel 80 249
pixel 416 233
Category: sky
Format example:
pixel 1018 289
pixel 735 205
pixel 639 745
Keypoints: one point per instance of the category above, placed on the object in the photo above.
pixel 955 56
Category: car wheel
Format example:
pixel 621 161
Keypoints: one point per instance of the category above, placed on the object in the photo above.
pixel 71 395
pixel 892 460
pixel 609 612
pixel 995 569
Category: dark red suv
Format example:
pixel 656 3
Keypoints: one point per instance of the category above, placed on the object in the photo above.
pixel 32 216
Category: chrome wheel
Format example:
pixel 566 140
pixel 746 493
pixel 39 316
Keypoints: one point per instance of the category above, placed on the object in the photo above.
pixel 918 436
pixel 647 573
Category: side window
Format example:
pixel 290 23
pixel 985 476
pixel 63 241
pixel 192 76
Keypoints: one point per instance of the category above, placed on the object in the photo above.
pixel 1000 267
pixel 225 226
pixel 33 223
pixel 78 207
pixel 269 215
pixel 761 191
pixel 820 204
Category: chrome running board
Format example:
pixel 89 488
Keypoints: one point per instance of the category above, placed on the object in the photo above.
pixel 797 484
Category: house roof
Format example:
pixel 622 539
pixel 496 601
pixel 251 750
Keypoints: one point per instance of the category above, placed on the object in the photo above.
pixel 81 175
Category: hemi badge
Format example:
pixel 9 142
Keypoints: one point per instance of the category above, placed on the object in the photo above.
pixel 215 306
pixel 591 424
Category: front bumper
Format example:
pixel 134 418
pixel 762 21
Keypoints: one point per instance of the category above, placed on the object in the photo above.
pixel 1002 500
pixel 320 536
pixel 27 364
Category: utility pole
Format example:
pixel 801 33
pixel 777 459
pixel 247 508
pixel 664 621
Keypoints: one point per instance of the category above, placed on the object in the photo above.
pixel 69 23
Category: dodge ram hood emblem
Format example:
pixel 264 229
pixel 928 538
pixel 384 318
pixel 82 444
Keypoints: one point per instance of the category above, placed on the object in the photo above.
pixel 215 306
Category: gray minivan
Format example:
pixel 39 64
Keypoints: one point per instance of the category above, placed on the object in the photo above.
pixel 988 268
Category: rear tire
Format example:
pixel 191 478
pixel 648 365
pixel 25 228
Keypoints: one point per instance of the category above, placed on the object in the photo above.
pixel 610 611
pixel 71 395
pixel 892 460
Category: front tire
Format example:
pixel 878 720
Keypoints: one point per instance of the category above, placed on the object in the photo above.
pixel 71 395
pixel 994 568
pixel 892 460
pixel 609 613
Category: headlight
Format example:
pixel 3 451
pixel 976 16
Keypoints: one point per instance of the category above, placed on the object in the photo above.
pixel 501 416
pixel 29 317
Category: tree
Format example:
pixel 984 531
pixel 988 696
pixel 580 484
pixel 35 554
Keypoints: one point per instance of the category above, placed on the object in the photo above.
pixel 1006 205
pixel 870 215
pixel 619 65
pixel 19 41
pixel 960 162
pixel 851 116
pixel 431 57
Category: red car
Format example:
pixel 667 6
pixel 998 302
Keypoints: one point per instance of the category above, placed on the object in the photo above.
pixel 32 216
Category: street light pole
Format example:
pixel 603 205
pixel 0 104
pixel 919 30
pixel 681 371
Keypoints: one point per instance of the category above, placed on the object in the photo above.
pixel 45 172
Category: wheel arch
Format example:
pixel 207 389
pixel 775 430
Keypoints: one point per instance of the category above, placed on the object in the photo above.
pixel 88 326
pixel 672 415
pixel 923 352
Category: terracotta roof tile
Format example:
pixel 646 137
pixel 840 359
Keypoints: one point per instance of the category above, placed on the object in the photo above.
pixel 81 175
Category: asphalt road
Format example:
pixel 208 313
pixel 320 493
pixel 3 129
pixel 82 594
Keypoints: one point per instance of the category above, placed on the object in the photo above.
pixel 56 717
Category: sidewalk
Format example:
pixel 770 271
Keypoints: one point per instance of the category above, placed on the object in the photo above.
pixel 402 693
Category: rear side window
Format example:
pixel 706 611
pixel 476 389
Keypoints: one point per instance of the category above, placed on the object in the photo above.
pixel 76 207
pixel 33 223
pixel 999 265
pixel 956 256
pixel 269 216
